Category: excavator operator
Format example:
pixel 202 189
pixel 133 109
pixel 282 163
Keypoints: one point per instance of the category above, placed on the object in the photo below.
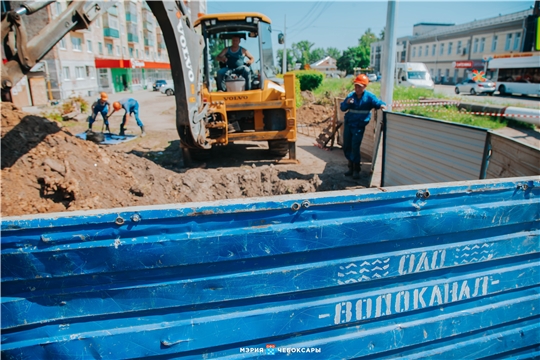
pixel 234 58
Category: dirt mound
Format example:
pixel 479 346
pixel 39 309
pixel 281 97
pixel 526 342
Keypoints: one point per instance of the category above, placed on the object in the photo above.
pixel 45 169
pixel 314 114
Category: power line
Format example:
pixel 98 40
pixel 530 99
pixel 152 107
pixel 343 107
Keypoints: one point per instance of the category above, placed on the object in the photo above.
pixel 306 17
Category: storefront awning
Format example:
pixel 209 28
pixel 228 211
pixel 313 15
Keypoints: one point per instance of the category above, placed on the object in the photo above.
pixel 129 64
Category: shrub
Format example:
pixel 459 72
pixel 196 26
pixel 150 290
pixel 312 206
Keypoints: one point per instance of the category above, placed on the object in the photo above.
pixel 309 79
pixel 53 115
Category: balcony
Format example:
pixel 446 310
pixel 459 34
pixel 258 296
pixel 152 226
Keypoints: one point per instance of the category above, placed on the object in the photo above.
pixel 160 41
pixel 132 38
pixel 148 42
pixel 147 25
pixel 108 32
pixel 113 10
pixel 131 17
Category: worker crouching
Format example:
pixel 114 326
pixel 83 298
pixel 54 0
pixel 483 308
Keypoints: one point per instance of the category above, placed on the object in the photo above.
pixel 357 105
pixel 131 107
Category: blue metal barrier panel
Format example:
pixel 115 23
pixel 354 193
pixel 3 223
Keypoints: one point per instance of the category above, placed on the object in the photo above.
pixel 441 271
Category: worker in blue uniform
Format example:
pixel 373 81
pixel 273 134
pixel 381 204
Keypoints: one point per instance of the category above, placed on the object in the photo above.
pixel 101 106
pixel 131 106
pixel 358 105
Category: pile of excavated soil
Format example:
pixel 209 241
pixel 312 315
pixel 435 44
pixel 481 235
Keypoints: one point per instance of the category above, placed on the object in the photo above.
pixel 45 168
pixel 313 114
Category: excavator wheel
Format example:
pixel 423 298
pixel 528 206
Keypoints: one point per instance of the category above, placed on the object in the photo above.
pixel 278 147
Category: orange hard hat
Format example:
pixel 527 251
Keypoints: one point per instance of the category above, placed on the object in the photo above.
pixel 116 105
pixel 104 96
pixel 361 79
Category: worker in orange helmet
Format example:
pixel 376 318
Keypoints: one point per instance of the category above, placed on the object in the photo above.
pixel 358 105
pixel 100 106
pixel 131 106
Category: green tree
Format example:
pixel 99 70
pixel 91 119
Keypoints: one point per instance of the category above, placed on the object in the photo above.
pixel 381 35
pixel 290 59
pixel 333 53
pixel 316 55
pixel 301 51
pixel 358 56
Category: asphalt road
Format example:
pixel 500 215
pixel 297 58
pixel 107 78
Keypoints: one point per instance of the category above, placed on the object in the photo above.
pixel 496 99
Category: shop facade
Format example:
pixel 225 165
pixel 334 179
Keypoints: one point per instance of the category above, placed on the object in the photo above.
pixel 120 75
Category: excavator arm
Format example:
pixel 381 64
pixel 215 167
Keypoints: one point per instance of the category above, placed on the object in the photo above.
pixel 184 46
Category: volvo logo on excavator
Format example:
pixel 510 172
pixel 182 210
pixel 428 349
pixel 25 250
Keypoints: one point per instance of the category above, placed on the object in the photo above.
pixel 244 97
pixel 185 51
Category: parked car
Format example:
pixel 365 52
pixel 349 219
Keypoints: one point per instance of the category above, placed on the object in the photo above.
pixel 158 84
pixel 167 88
pixel 472 87
pixel 372 77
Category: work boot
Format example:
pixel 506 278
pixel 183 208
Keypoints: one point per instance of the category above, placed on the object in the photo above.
pixel 350 172
pixel 122 131
pixel 108 128
pixel 143 133
pixel 356 171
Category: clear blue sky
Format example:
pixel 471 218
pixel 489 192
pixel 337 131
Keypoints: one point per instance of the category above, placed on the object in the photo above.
pixel 340 24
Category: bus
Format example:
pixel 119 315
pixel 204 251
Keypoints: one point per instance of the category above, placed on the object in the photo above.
pixel 516 73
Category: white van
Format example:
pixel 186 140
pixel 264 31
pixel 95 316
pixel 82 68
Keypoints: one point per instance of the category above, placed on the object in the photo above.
pixel 414 75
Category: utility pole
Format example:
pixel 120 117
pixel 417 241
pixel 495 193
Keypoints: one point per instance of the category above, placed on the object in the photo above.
pixel 284 69
pixel 389 65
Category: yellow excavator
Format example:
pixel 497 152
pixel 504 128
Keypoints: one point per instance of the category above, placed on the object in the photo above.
pixel 205 117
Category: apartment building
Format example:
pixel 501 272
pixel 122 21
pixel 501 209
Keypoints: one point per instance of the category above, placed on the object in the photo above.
pixel 452 52
pixel 123 50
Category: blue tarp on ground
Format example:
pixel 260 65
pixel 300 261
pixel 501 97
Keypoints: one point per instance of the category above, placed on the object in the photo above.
pixel 111 139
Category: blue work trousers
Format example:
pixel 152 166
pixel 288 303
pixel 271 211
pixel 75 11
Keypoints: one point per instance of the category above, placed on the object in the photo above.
pixel 103 113
pixel 352 139
pixel 135 112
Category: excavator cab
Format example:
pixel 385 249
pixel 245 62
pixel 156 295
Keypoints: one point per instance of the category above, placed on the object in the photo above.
pixel 259 108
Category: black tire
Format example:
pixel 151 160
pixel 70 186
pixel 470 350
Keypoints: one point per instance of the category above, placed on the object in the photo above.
pixel 169 92
pixel 473 92
pixel 490 94
pixel 502 90
pixel 456 90
pixel 278 147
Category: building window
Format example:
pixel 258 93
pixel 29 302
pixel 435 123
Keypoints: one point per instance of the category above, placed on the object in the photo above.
pixel 475 48
pixel 434 50
pixel 494 43
pixel 419 51
pixel 413 52
pixel 137 53
pixel 125 51
pixel 482 44
pixel 89 45
pixel 148 55
pixel 131 52
pixel 118 50
pixel 79 72
pixel 66 73
pixel 57 8
pixel 517 41
pixel 427 50
pixel 508 42
pixel 76 42
pixel 62 44
pixel 466 48
pixel 450 47
pixel 441 51
pixel 109 48
pixel 100 47
pixel 90 72
pixel 459 50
